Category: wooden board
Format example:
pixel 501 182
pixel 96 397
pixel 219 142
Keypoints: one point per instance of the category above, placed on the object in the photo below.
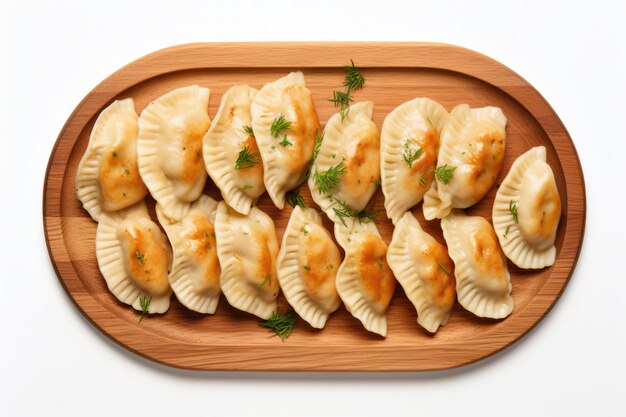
pixel 395 72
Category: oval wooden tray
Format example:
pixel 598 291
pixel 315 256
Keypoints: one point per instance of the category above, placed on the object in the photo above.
pixel 395 72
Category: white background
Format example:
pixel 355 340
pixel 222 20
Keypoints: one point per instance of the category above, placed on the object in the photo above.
pixel 53 362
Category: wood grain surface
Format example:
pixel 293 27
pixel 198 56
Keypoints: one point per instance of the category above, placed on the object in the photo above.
pixel 395 72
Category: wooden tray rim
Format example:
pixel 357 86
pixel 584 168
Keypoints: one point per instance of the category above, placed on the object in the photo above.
pixel 318 55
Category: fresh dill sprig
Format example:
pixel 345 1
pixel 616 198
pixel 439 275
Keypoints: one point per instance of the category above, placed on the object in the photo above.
pixel 513 210
pixel 380 263
pixel 442 266
pixel 367 216
pixel 278 125
pixel 354 78
pixel 340 99
pixel 343 112
pixel 246 159
pixel 246 187
pixel 285 142
pixel 344 211
pixel 376 182
pixel 326 181
pixel 144 302
pixel 267 278
pixel 281 324
pixel 422 181
pixel 506 231
pixel 444 173
pixel 294 199
pixel 410 155
pixel 140 257
pixel 308 268
pixel 354 81
pixel 248 130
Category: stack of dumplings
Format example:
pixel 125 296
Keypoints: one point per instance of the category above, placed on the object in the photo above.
pixel 271 140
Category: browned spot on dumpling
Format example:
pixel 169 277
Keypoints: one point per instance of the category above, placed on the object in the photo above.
pixel 544 213
pixel 439 273
pixel 265 262
pixel 148 260
pixel 376 275
pixel 485 158
pixel 322 260
pixel 120 183
pixel 205 249
pixel 423 166
pixel 303 128
pixel 193 164
pixel 231 114
pixel 362 162
pixel 487 253
pixel 250 143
